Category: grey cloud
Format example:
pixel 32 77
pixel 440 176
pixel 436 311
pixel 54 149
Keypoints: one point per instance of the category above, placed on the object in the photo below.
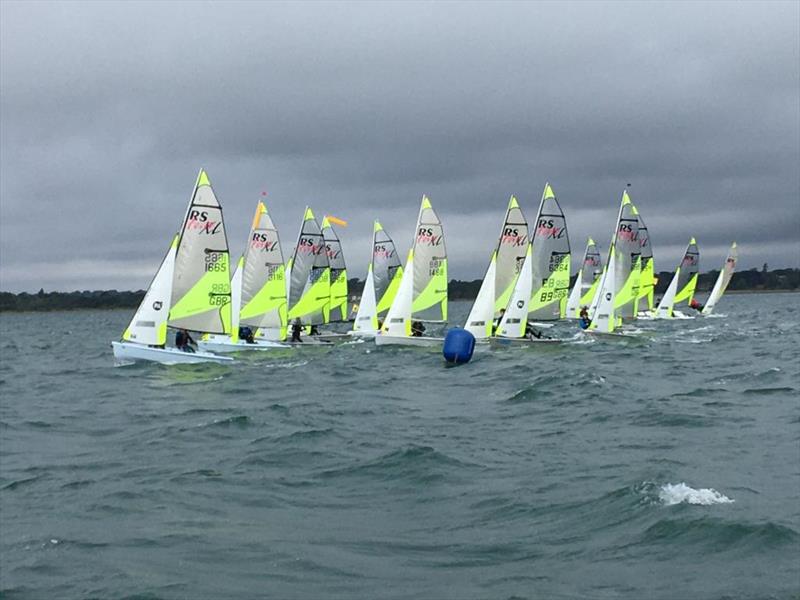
pixel 108 110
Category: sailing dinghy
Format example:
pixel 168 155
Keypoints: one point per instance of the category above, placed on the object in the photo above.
pixel 723 279
pixel 258 292
pixel 191 289
pixel 551 261
pixel 502 274
pixel 381 284
pixel 587 281
pixel 681 288
pixel 308 278
pixel 422 294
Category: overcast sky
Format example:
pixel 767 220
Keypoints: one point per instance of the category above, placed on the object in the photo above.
pixel 108 110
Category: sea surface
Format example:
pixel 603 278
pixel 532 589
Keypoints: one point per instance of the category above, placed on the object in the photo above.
pixel 666 466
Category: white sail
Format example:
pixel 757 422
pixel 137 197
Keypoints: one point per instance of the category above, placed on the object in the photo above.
pixel 398 319
pixel 149 323
pixel 664 310
pixel 515 319
pixel 236 298
pixel 481 316
pixel 723 280
pixel 367 316
pixel 604 318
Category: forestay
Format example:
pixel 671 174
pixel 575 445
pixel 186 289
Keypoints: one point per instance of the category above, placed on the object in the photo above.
pixel 338 274
pixel 263 299
pixel 309 275
pixel 201 286
pixel 723 280
pixel 430 266
pixel 551 260
pixel 149 323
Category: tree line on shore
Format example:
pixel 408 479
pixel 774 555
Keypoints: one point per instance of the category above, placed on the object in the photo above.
pixel 751 280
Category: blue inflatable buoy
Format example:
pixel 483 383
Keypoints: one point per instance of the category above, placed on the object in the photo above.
pixel 458 346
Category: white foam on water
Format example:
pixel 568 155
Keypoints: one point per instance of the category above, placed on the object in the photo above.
pixel 670 494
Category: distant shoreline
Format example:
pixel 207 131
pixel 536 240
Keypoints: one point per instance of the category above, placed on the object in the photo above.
pixel 113 300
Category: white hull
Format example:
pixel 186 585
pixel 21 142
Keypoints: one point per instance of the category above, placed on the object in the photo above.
pixel 225 346
pixel 128 352
pixel 328 337
pixel 503 341
pixel 362 334
pixel 401 340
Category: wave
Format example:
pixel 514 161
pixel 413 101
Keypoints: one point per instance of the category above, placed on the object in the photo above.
pixel 679 493
pixel 414 463
pixel 720 534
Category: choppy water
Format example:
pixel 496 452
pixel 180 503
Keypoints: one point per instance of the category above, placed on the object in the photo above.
pixel 663 468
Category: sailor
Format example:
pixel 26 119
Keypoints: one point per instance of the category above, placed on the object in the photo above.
pixel 584 321
pixel 496 323
pixel 246 334
pixel 531 332
pixel 695 305
pixel 417 329
pixel 297 327
pixel 183 341
pixel 313 330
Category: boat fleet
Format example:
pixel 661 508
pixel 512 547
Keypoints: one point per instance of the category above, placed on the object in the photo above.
pixel 525 288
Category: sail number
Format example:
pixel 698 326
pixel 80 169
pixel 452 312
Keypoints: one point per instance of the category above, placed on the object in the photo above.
pixel 216 262
pixel 436 267
pixel 220 294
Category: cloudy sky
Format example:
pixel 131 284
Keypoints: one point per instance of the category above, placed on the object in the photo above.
pixel 108 110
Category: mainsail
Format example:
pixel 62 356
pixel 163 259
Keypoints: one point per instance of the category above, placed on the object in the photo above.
pixel 502 273
pixel 628 260
pixel 647 273
pixel 723 280
pixel 587 280
pixel 309 275
pixel 338 276
pixel 430 266
pixel 551 260
pixel 386 268
pixel 201 286
pixel 690 265
pixel 149 322
pixel 263 284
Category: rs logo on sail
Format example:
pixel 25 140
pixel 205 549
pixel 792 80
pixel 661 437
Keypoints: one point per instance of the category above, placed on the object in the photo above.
pixel 198 221
pixel 548 230
pixel 260 241
pixel 425 236
pixel 512 237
